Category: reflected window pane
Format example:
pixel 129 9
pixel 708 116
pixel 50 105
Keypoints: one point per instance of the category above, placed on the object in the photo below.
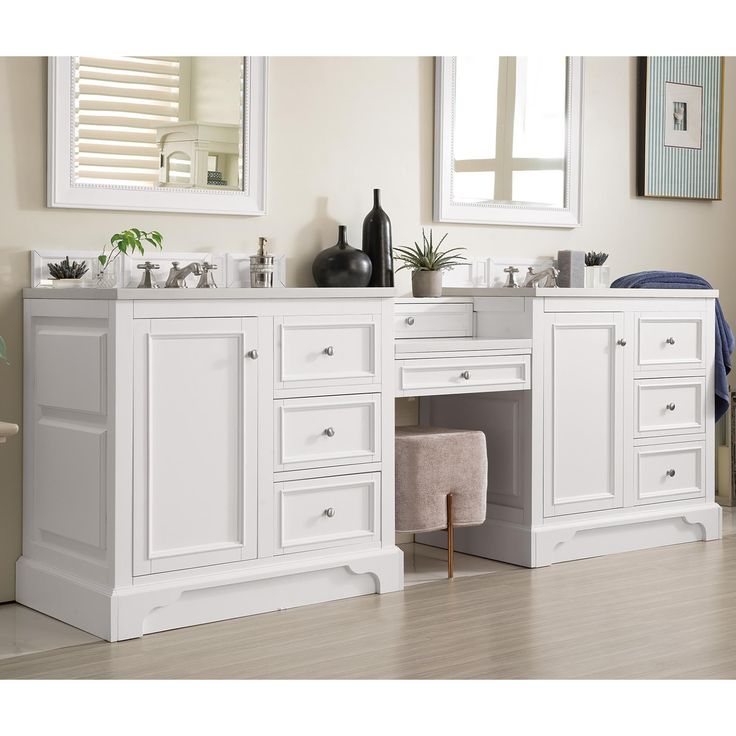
pixel 539 115
pixel 473 186
pixel 544 187
pixel 476 90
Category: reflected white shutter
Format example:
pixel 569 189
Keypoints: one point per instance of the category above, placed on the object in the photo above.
pixel 119 103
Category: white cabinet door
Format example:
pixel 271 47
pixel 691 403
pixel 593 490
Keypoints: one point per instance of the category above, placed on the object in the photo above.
pixel 583 412
pixel 195 456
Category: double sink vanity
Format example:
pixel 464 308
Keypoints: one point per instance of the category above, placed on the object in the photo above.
pixel 195 455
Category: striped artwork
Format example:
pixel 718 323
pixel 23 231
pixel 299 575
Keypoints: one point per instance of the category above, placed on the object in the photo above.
pixel 666 168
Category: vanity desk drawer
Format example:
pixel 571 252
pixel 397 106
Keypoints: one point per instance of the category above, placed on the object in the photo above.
pixel 433 320
pixel 319 432
pixel 670 341
pixel 669 472
pixel 669 406
pixel 462 375
pixel 327 351
pixel 326 512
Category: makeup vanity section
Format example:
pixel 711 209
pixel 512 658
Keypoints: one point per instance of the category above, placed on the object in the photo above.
pixel 197 455
pixel 597 406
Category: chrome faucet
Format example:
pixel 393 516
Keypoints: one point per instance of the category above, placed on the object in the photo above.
pixel 546 277
pixel 177 276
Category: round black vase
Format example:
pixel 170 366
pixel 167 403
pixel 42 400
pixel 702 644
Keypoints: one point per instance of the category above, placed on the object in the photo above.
pixel 342 265
pixel 377 243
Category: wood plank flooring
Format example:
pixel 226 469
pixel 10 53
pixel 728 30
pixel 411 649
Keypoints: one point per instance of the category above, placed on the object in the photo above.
pixel 664 613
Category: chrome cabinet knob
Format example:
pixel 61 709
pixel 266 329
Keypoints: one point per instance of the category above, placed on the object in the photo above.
pixel 253 354
pixel 465 375
pixel 330 432
pixel 410 321
pixel 671 473
pixel 621 342
pixel 330 512
pixel 671 406
pixel 670 340
pixel 329 351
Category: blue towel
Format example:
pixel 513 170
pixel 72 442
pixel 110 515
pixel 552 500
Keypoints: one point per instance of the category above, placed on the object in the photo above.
pixel 724 336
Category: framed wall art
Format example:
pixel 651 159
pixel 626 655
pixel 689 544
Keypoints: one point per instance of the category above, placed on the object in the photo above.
pixel 680 111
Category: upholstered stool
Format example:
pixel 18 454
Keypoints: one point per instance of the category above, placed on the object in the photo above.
pixel 441 481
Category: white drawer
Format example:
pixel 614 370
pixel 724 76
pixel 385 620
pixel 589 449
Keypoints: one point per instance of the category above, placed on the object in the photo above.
pixel 327 350
pixel 325 431
pixel 670 341
pixel 433 320
pixel 430 376
pixel 669 472
pixel 326 512
pixel 669 406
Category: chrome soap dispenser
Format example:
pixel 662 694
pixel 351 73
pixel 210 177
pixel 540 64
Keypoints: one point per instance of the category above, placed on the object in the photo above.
pixel 261 267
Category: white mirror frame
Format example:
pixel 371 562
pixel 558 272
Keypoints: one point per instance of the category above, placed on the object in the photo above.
pixel 64 192
pixel 503 213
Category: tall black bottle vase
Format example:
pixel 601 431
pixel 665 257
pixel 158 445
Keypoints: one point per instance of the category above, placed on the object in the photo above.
pixel 377 243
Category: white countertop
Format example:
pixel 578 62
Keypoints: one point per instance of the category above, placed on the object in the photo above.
pixel 588 293
pixel 45 292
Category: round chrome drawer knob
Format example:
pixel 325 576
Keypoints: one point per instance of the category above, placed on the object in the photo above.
pixel 253 354
pixel 410 321
pixel 330 432
pixel 621 342
pixel 671 407
pixel 329 351
pixel 466 375
pixel 330 512
pixel 670 340
pixel 671 472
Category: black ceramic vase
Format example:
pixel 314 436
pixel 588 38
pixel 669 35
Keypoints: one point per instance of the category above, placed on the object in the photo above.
pixel 377 243
pixel 342 265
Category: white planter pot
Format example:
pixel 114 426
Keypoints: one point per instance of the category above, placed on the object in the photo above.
pixel 66 283
pixel 597 277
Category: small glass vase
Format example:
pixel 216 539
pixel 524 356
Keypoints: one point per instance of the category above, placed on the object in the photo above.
pixel 105 280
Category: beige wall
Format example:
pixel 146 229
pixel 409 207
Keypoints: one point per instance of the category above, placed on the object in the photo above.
pixel 338 128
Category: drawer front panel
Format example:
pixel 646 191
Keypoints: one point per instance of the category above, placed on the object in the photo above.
pixel 433 320
pixel 325 431
pixel 670 406
pixel 670 342
pixel 463 375
pixel 332 350
pixel 669 472
pixel 326 512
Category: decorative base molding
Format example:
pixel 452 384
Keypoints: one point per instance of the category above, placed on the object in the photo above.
pixel 127 613
pixel 577 539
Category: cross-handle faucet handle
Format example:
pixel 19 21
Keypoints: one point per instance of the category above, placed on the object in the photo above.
pixel 148 266
pixel 511 282
pixel 209 266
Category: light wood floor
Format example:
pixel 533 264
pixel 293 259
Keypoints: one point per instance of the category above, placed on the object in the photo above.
pixel 665 613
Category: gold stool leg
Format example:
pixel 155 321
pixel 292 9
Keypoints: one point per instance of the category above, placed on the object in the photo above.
pixel 450 539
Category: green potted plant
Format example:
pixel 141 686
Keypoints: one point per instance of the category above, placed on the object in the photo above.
pixel 427 264
pixel 3 352
pixel 65 274
pixel 126 242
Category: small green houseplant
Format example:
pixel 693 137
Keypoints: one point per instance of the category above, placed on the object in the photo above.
pixel 65 274
pixel 3 352
pixel 126 242
pixel 427 264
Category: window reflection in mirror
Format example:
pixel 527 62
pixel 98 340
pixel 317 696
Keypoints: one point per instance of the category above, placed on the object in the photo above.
pixel 173 121
pixel 510 129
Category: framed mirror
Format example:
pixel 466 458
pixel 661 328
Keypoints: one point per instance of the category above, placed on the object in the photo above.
pixel 508 140
pixel 164 133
